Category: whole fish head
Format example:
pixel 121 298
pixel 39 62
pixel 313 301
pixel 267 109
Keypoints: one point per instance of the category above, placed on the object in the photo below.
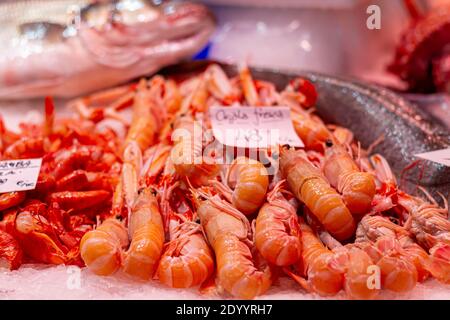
pixel 68 48
pixel 120 33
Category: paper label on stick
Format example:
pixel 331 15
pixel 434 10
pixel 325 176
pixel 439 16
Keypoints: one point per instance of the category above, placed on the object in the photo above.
pixel 439 156
pixel 254 127
pixel 19 175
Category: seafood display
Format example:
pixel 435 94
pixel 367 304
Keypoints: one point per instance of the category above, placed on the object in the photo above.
pixel 67 48
pixel 134 183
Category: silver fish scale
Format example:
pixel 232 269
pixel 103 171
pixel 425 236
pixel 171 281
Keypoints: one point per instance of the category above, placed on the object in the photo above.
pixel 369 111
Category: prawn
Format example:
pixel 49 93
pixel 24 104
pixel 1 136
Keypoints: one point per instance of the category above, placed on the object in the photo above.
pixel 430 226
pixel 357 187
pixel 187 259
pixel 186 154
pixel 317 272
pixel 27 147
pixel 101 249
pixel 310 129
pixel 248 86
pixel 426 221
pixel 277 235
pixel 146 117
pixel 373 227
pixel 146 232
pixel 250 181
pixel 156 160
pixel 310 187
pixel 328 271
pixel 228 231
pixel 11 199
pixel 398 272
pixel 11 254
pixel 302 91
pixel 131 168
pixel 219 85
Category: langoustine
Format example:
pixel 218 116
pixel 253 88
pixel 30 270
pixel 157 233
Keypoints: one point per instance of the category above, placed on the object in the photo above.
pixel 227 230
pixel 187 259
pixel 187 152
pixel 277 234
pixel 357 187
pixel 327 272
pixel 310 187
pixel 426 221
pixel 249 182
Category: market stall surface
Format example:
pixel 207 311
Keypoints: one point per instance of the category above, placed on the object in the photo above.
pixel 70 282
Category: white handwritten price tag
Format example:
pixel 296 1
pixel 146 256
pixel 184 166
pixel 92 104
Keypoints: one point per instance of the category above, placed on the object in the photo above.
pixel 439 156
pixel 19 175
pixel 254 127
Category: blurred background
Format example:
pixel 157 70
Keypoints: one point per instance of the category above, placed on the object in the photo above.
pixel 328 36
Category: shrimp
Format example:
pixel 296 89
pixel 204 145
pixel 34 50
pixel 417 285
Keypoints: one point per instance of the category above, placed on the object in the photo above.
pixel 78 200
pixel 186 154
pixel 6 137
pixel 11 199
pixel 430 226
pixel 426 221
pixel 156 160
pixel 302 91
pixel 250 181
pixel 199 96
pixel 104 104
pixel 146 231
pixel 328 271
pixel 219 85
pixel 130 172
pixel 277 235
pixel 311 188
pixel 342 135
pixel 33 145
pixel 25 148
pixel 77 157
pixel 373 227
pixel 310 129
pixel 356 265
pixel 357 187
pixel 101 249
pixel 11 254
pixel 37 238
pixel 228 231
pixel 146 118
pixel 248 86
pixel 317 272
pixel 127 189
pixel 75 181
pixel 398 272
pixel 187 259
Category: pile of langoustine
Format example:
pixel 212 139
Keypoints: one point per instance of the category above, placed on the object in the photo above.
pixel 113 195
